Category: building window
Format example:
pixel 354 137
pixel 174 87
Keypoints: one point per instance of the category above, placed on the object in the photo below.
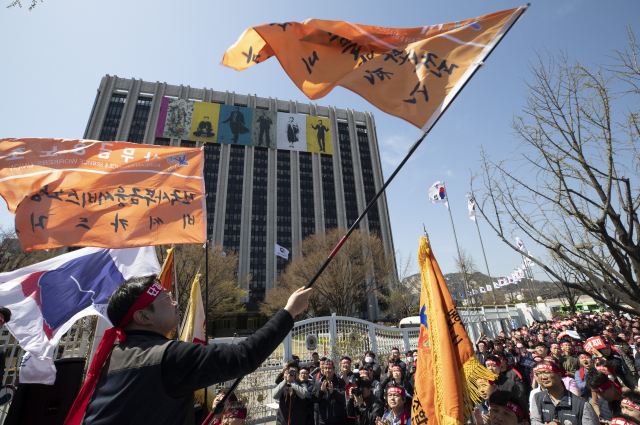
pixel 139 121
pixel 188 143
pixel 283 206
pixel 367 179
pixel 112 120
pixel 328 193
pixel 258 255
pixel 348 181
pixel 233 212
pixel 162 141
pixel 211 166
pixel 307 216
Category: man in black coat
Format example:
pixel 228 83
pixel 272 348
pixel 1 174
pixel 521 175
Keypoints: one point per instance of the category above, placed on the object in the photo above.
pixel 292 397
pixel 329 393
pixel 367 406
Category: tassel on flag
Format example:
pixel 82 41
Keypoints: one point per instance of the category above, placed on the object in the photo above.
pixel 438 194
pixel 471 204
pixel 447 369
pixel 166 274
pixel 194 323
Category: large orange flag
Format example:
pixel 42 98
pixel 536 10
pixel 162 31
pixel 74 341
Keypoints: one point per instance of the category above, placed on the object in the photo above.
pixel 103 194
pixel 412 73
pixel 448 369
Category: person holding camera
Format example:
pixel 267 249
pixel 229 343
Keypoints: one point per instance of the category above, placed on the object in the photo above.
pixel 399 412
pixel 292 397
pixel 329 394
pixel 362 402
pixel 367 371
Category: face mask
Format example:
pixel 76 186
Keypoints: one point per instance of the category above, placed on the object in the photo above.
pixel 368 359
pixel 409 359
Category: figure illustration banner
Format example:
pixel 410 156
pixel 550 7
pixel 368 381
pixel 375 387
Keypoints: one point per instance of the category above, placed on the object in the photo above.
pixel 234 125
pixel 178 121
pixel 319 135
pixel 292 132
pixel 204 124
pixel 263 128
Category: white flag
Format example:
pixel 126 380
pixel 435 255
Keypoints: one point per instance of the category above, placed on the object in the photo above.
pixel 489 288
pixel 496 285
pixel 521 245
pixel 482 290
pixel 438 194
pixel 475 292
pixel 471 204
pixel 282 252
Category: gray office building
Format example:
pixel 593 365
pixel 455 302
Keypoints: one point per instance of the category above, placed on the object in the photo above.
pixel 257 196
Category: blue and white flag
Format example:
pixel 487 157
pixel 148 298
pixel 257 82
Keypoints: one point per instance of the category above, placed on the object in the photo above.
pixel 521 245
pixel 471 204
pixel 438 194
pixel 46 298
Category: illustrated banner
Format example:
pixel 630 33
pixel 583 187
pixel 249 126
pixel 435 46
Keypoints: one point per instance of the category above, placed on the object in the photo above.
pixel 179 116
pixel 234 125
pixel 102 194
pixel 319 135
pixel 292 132
pixel 204 124
pixel 263 128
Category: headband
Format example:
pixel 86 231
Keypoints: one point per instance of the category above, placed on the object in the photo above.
pixel 619 421
pixel 631 404
pixel 304 370
pixel 396 368
pixel 236 413
pixel 513 407
pixel 345 361
pixel 395 390
pixel 363 371
pixel 552 360
pixel 395 351
pixel 555 344
pixel 328 363
pixel 537 359
pixel 584 355
pixel 604 387
pixel 481 343
pixel 492 362
pixel 485 381
pixel 606 369
pixel 102 353
pixel 548 367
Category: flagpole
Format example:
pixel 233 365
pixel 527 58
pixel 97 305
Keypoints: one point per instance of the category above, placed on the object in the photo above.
pixel 175 281
pixel 355 224
pixel 463 267
pixel 528 275
pixel 206 306
pixel 485 260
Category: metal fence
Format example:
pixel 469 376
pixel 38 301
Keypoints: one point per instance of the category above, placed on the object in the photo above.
pixel 336 337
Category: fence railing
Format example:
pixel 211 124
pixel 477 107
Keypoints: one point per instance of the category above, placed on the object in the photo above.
pixel 336 336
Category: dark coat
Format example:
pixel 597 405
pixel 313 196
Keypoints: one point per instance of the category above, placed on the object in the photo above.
pixel 332 407
pixel 293 403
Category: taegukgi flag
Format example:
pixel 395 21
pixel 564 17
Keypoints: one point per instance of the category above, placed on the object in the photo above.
pixel 471 205
pixel 521 245
pixel 46 298
pixel 282 252
pixel 438 194
pixel 489 288
pixel 482 290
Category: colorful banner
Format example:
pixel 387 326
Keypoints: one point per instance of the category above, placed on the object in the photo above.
pixel 263 128
pixel 319 135
pixel 234 125
pixel 406 72
pixel 102 194
pixel 292 132
pixel 162 117
pixel 204 123
pixel 178 122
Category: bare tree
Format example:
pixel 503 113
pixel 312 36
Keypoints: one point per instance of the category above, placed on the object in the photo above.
pixel 404 291
pixel 345 286
pixel 13 257
pixel 572 188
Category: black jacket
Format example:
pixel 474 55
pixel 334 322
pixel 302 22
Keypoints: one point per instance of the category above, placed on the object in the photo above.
pixel 151 379
pixel 332 407
pixel 371 409
pixel 293 403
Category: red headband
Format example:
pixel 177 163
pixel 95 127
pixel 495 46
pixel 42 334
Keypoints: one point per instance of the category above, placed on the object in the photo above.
pixel 629 403
pixel 395 390
pixel 584 355
pixel 328 363
pixel 395 351
pixel 396 368
pixel 304 370
pixel 555 344
pixel 485 381
pixel 549 367
pixel 514 408
pixel 345 361
pixel 604 387
pixel 606 369
pixel 102 353
pixel 492 362
pixel 236 413
pixel 619 421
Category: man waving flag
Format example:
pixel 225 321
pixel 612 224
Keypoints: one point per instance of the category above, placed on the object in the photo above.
pixel 448 369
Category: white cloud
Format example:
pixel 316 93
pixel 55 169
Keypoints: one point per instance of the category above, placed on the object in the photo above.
pixel 393 149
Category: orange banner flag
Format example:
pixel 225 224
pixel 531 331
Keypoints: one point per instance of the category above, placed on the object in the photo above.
pixel 103 194
pixel 166 274
pixel 412 73
pixel 446 387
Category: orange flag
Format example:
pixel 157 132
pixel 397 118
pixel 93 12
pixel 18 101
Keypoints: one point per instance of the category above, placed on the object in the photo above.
pixel 446 387
pixel 412 73
pixel 104 194
pixel 166 274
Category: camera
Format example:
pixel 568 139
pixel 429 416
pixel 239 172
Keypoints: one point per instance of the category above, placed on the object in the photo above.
pixel 292 372
pixel 356 391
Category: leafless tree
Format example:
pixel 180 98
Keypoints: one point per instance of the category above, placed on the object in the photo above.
pixel 13 257
pixel 404 291
pixel 572 187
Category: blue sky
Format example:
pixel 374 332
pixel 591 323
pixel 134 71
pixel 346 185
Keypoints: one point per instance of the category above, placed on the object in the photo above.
pixel 54 57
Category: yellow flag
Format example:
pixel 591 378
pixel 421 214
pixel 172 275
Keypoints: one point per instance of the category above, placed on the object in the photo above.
pixel 193 325
pixel 166 274
pixel 446 377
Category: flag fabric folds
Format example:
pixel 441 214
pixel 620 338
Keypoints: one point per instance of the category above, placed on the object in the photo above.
pixel 46 298
pixel 448 369
pixel 521 245
pixel 489 288
pixel 166 274
pixel 282 251
pixel 471 204
pixel 482 290
pixel 67 192
pixel 194 323
pixel 438 194
pixel 412 73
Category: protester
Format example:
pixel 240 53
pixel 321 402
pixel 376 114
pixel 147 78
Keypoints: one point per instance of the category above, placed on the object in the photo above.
pixel 569 362
pixel 308 384
pixel 486 388
pixel 588 364
pixel 395 360
pixel 608 392
pixel 630 404
pixel 217 419
pixel 395 377
pixel 345 371
pixel 329 393
pixel 503 383
pixel 292 397
pixel 399 412
pixel 370 358
pixel 376 387
pixel 364 404
pixel 149 378
pixel 505 409
pixel 235 414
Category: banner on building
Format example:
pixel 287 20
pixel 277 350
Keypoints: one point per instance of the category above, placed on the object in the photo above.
pixel 319 135
pixel 204 124
pixel 103 194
